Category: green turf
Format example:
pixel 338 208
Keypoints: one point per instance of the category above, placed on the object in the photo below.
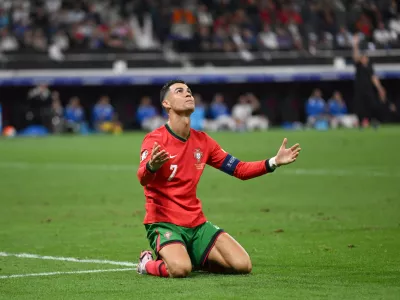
pixel 326 227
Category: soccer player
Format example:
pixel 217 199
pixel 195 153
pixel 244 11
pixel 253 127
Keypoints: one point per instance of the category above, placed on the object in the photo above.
pixel 172 159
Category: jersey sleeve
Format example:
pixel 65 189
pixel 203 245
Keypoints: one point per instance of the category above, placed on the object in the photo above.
pixel 144 173
pixel 230 165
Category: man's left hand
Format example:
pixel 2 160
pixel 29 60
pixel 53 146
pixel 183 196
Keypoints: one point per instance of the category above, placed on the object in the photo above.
pixel 287 156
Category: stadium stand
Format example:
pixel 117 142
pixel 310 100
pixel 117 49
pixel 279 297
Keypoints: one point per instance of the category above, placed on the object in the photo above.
pixel 93 34
pixel 279 50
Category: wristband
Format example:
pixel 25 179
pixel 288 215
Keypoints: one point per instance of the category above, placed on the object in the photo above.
pixel 149 168
pixel 272 163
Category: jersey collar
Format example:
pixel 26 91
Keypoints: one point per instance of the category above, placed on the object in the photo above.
pixel 175 135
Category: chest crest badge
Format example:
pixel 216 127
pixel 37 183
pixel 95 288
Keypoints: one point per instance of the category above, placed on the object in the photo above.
pixel 198 155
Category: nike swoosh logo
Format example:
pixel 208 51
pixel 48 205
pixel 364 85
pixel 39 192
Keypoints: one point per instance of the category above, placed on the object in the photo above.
pixel 173 156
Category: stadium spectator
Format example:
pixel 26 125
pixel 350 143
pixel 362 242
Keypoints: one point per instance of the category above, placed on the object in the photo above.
pixel 246 114
pixel 60 39
pixel 142 24
pixel 285 41
pixel 220 116
pixel 74 116
pixel 267 12
pixel 4 20
pixel 39 106
pixel 268 39
pixel 204 17
pixel 257 120
pixel 384 37
pixel 394 24
pixel 338 113
pixel 316 109
pixel 147 115
pixel 344 38
pixel 203 39
pixel 366 84
pixel 57 113
pixel 364 25
pixel 239 41
pixel 7 41
pixel 143 35
pixel 221 41
pixel 288 14
pixel 183 27
pixel 39 41
pixel 104 117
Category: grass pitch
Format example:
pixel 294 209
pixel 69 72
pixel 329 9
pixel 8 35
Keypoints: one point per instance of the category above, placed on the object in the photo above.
pixel 326 227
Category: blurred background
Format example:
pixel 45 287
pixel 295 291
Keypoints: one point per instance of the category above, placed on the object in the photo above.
pixel 81 67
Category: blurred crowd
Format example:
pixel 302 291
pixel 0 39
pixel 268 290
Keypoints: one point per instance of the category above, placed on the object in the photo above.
pixel 248 115
pixel 45 108
pixel 197 25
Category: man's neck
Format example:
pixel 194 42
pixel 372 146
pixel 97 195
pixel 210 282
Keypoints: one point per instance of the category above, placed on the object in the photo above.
pixel 180 125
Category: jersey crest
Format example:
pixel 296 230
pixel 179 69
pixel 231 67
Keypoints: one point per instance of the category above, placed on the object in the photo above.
pixel 198 155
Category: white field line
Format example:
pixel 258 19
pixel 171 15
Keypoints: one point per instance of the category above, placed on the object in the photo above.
pixel 62 273
pixel 132 168
pixel 69 259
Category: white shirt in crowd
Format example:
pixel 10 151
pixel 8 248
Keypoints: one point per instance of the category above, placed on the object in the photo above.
pixel 205 18
pixel 53 6
pixel 242 111
pixel 269 40
pixel 8 43
pixel 384 36
pixel 394 25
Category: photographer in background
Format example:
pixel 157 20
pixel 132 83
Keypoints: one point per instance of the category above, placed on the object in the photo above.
pixel 57 113
pixel 39 106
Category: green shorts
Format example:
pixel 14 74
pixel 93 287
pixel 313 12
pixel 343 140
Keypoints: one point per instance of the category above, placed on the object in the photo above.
pixel 197 240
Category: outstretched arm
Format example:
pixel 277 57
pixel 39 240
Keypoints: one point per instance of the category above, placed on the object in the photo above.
pixel 229 164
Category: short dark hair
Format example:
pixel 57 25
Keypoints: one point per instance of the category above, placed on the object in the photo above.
pixel 165 88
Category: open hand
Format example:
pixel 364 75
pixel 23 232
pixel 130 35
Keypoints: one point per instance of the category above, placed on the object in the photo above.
pixel 158 158
pixel 287 156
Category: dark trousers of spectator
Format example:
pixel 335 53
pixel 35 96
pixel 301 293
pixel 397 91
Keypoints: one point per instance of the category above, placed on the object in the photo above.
pixel 42 116
pixel 368 107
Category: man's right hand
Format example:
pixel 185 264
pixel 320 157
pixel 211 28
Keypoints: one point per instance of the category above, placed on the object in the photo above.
pixel 158 158
pixel 382 95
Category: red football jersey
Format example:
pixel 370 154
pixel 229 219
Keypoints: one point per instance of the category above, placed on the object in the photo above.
pixel 171 191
